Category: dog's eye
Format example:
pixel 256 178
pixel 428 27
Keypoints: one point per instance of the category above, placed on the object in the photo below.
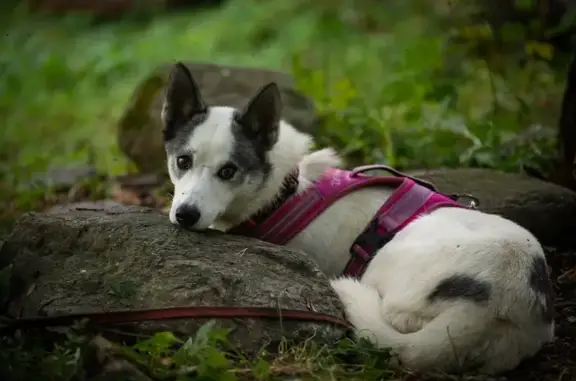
pixel 184 162
pixel 227 171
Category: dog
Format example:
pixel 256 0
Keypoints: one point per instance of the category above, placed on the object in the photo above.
pixel 454 290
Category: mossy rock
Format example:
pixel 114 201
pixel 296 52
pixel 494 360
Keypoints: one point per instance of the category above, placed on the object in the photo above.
pixel 546 209
pixel 103 256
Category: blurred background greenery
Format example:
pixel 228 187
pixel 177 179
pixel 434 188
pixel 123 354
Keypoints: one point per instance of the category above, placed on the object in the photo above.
pixel 410 83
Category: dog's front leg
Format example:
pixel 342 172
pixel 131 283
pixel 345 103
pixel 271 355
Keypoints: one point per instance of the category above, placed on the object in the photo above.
pixel 217 226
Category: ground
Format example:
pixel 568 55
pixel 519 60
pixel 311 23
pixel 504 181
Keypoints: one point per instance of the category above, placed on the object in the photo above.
pixel 391 84
pixel 558 360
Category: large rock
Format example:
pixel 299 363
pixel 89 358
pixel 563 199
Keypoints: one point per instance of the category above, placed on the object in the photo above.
pixel 546 209
pixel 139 130
pixel 101 257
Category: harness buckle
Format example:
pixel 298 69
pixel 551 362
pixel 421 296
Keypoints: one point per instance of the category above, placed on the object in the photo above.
pixel 370 241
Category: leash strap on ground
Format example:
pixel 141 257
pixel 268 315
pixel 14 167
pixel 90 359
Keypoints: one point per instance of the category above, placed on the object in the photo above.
pixel 127 316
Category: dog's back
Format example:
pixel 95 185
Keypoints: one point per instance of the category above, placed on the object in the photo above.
pixel 454 289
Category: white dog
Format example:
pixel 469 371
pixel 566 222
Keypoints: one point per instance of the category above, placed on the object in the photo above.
pixel 454 289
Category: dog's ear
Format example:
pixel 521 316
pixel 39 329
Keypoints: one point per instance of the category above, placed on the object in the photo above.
pixel 182 100
pixel 260 119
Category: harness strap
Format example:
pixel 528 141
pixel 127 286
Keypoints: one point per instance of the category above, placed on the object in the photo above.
pixel 407 203
pixel 301 209
pixel 127 316
pixel 411 198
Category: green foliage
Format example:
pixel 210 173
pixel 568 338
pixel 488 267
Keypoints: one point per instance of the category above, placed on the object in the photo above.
pixel 207 356
pixel 389 81
pixel 210 356
pixel 32 358
pixel 414 98
pixel 165 356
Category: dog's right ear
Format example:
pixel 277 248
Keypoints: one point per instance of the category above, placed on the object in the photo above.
pixel 260 119
pixel 182 100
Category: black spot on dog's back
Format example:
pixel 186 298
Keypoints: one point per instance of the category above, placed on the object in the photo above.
pixel 542 285
pixel 461 286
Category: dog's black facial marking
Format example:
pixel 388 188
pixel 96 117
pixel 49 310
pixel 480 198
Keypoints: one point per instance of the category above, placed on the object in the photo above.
pixel 177 145
pixel 255 131
pixel 180 136
pixel 461 286
pixel 183 105
pixel 260 119
pixel 249 155
pixel 541 284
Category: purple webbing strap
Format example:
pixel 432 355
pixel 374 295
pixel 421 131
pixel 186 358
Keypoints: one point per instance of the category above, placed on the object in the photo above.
pixel 408 202
pixel 300 210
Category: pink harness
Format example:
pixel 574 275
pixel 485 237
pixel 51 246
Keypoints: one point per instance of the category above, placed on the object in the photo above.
pixel 412 198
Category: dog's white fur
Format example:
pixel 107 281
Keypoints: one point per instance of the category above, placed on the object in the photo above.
pixel 389 303
pixel 212 145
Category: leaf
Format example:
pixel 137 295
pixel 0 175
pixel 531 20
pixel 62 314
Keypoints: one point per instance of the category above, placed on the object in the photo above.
pixel 157 344
pixel 203 333
pixel 539 49
pixel 215 359
pixel 214 365
pixel 219 335
pixel 186 353
pixel 261 369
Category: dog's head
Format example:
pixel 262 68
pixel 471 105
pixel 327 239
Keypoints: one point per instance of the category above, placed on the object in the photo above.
pixel 217 156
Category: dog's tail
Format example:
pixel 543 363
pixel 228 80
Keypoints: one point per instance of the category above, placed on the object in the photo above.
pixel 444 343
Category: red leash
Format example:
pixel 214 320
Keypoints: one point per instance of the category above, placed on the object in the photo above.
pixel 126 316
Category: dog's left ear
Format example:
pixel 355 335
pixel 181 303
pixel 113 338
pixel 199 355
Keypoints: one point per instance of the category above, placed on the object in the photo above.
pixel 260 119
pixel 182 100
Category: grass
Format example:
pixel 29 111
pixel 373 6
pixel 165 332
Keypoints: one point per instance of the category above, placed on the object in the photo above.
pixel 206 356
pixel 397 91
pixel 391 84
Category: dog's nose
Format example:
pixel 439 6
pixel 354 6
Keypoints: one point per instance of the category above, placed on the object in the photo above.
pixel 187 216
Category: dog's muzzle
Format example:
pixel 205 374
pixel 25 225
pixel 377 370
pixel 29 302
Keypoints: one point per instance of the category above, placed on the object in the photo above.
pixel 187 216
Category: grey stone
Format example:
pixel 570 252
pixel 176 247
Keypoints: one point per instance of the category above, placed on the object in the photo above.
pixel 62 178
pixel 97 257
pixel 546 209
